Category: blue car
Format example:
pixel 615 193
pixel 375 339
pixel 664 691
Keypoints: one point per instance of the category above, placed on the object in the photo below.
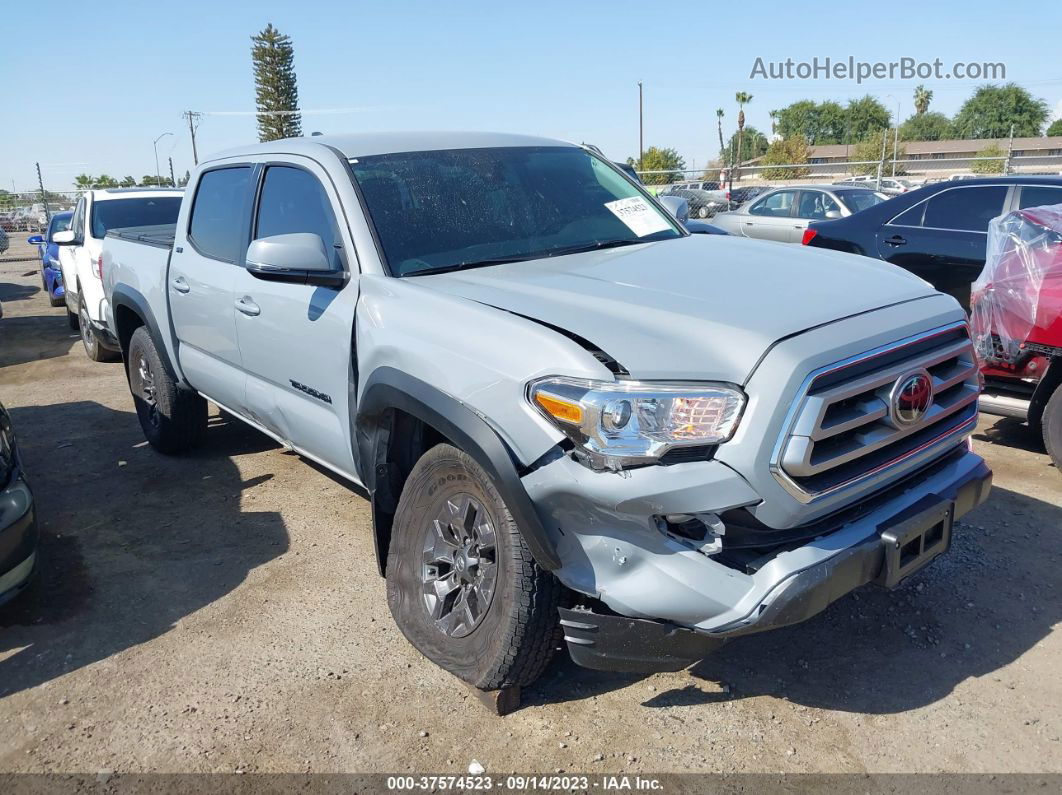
pixel 51 273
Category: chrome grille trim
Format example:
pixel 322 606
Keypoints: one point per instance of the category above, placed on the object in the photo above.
pixel 834 422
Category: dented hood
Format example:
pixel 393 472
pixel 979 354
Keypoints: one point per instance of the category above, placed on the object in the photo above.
pixel 704 307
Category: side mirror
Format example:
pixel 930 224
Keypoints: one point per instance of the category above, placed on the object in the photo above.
pixel 299 258
pixel 65 238
pixel 36 239
pixel 832 214
pixel 677 206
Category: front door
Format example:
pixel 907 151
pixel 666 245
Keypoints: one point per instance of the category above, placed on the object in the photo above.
pixel 771 218
pixel 943 239
pixel 295 339
pixel 200 284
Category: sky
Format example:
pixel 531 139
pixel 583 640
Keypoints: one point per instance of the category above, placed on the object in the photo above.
pixel 90 85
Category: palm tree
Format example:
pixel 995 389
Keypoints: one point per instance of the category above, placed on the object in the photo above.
pixel 84 181
pixel 742 98
pixel 719 121
pixel 774 120
pixel 922 98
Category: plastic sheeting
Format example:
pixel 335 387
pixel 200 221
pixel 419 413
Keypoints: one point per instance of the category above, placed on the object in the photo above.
pixel 1017 292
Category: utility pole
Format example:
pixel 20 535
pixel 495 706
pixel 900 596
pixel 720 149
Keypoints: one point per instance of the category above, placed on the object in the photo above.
pixel 44 200
pixel 193 123
pixel 1006 164
pixel 881 163
pixel 641 129
pixel 173 182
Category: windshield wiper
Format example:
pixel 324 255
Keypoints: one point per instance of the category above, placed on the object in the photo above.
pixel 556 252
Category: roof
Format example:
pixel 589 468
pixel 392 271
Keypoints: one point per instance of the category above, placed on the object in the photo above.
pixel 380 143
pixel 119 192
pixel 952 146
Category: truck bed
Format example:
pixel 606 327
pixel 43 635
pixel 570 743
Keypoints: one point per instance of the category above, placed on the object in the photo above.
pixel 160 235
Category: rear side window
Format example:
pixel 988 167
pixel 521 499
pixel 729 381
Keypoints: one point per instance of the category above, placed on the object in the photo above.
pixel 1039 196
pixel 965 209
pixel 216 228
pixel 123 213
pixel 292 201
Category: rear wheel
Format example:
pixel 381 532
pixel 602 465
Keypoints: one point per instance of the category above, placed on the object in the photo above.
pixel 93 347
pixel 1051 425
pixel 461 583
pixel 173 419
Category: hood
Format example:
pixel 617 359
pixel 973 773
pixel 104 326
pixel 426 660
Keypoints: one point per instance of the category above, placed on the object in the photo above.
pixel 703 307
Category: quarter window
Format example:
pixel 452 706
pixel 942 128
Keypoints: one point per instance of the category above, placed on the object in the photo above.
pixel 217 228
pixel 966 209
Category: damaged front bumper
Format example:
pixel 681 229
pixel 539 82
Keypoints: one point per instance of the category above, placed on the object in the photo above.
pixel 668 604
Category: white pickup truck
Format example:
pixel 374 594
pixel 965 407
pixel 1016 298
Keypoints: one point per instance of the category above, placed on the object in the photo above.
pixel 566 410
pixel 81 246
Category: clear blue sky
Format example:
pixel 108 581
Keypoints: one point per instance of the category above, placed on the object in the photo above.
pixel 88 85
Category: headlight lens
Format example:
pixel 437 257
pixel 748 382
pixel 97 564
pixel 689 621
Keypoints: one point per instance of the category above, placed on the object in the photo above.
pixel 629 422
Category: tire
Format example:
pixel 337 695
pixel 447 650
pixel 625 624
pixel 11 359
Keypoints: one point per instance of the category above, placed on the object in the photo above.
pixel 1051 426
pixel 93 347
pixel 511 640
pixel 703 212
pixel 173 419
pixel 52 300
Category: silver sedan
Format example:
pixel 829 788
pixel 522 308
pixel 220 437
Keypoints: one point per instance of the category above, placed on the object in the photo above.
pixel 784 213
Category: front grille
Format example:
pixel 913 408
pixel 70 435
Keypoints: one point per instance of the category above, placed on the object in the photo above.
pixel 844 429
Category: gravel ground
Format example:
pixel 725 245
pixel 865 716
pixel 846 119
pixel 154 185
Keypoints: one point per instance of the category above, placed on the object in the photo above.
pixel 222 611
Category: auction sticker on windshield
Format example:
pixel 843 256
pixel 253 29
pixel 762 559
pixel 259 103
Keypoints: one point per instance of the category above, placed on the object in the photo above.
pixel 639 217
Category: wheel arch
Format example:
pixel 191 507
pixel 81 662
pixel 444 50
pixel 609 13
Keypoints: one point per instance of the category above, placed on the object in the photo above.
pixel 131 311
pixel 1051 381
pixel 397 419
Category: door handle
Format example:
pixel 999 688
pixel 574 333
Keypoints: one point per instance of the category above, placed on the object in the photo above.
pixel 180 285
pixel 248 307
pixel 896 240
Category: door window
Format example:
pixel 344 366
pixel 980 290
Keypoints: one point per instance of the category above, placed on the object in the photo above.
pixel 815 204
pixel 778 204
pixel 217 227
pixel 966 209
pixel 1039 196
pixel 78 221
pixel 294 201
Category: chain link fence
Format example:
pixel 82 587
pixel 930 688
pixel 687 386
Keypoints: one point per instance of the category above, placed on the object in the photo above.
pixel 27 213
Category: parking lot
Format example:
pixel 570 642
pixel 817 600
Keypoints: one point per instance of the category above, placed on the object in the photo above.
pixel 222 612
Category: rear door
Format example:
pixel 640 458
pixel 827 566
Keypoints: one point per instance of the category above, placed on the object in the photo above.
pixel 771 218
pixel 1038 196
pixel 943 238
pixel 812 205
pixel 295 339
pixel 203 268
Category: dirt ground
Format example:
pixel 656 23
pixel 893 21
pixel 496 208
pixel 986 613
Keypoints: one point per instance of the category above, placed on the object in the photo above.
pixel 221 612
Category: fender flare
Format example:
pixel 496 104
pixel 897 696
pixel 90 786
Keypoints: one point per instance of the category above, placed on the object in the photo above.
pixel 388 388
pixel 125 296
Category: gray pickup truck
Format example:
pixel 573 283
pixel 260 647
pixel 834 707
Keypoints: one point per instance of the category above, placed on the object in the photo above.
pixel 566 410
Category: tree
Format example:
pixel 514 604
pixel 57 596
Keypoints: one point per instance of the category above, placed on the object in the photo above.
pixel 870 148
pixel 752 144
pixel 183 181
pixel 866 116
pixel 991 111
pixel 667 161
pixel 127 182
pixel 105 181
pixel 774 121
pixel 276 92
pixel 152 181
pixel 926 127
pixel 742 98
pixel 989 166
pixel 786 151
pixel 922 97
pixel 819 123
pixel 84 181
pixel 1055 128
pixel 719 122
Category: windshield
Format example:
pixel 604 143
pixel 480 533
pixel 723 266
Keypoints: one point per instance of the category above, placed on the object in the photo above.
pixel 458 208
pixel 144 211
pixel 856 200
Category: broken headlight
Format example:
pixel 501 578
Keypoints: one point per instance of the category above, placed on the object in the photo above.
pixel 624 423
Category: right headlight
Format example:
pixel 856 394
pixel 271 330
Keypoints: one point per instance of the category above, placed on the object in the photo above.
pixel 624 423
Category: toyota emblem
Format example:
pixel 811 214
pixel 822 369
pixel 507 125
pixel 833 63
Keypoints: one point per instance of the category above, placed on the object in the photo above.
pixel 911 397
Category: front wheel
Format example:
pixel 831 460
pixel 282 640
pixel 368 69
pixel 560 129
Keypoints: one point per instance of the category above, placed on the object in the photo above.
pixel 173 419
pixel 1051 425
pixel 461 583
pixel 703 212
pixel 90 339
